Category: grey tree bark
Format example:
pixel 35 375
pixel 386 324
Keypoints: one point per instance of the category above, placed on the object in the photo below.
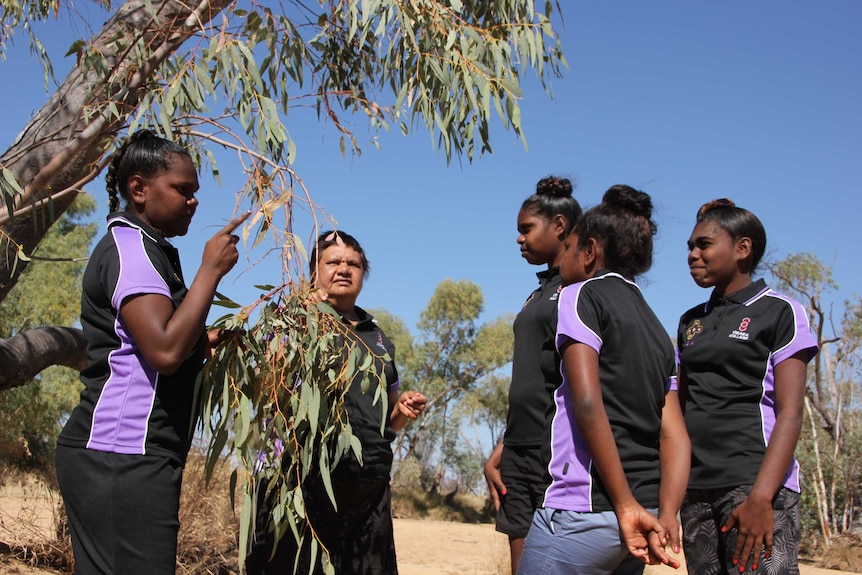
pixel 62 148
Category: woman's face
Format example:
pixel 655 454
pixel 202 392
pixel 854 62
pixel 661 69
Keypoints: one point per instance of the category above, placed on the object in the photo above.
pixel 538 237
pixel 713 255
pixel 340 275
pixel 167 201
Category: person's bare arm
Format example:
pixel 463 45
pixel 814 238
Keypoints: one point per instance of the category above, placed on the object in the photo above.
pixel 581 365
pixel 166 336
pixel 753 517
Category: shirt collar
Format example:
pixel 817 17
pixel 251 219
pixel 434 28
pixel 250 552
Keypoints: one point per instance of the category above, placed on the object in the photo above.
pixel 548 274
pixel 131 220
pixel 740 296
pixel 365 319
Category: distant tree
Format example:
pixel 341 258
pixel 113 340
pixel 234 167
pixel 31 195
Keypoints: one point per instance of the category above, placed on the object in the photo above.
pixel 831 443
pixel 452 358
pixel 47 294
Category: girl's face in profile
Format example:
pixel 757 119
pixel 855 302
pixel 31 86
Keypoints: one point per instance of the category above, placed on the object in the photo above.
pixel 538 237
pixel 167 201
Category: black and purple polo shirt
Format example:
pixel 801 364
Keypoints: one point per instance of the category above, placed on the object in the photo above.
pixel 636 369
pixel 728 349
pixel 535 365
pixel 127 406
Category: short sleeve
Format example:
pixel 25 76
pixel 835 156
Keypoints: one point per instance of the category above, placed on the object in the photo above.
pixel 136 274
pixel 578 317
pixel 793 333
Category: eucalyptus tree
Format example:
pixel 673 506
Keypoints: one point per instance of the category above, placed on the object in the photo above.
pixel 30 415
pixel 215 73
pixel 831 441
pixel 454 362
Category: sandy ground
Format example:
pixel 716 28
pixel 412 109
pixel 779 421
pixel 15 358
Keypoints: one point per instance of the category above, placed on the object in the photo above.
pixel 424 547
pixel 427 547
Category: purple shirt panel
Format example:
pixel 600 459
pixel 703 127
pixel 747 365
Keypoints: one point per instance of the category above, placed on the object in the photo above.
pixel 121 416
pixel 570 325
pixel 571 483
pixel 802 340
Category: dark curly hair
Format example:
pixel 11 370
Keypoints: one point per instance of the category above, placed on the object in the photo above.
pixel 738 222
pixel 621 224
pixel 144 154
pixel 554 196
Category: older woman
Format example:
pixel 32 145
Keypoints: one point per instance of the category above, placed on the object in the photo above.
pixel 359 534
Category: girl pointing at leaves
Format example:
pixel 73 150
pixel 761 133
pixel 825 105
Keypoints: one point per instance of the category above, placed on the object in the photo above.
pixel 120 456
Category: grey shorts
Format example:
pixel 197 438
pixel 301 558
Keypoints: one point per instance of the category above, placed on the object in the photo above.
pixel 708 551
pixel 573 543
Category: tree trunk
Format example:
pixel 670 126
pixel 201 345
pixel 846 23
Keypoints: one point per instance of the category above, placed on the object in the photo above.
pixel 60 148
pixel 26 354
pixel 819 483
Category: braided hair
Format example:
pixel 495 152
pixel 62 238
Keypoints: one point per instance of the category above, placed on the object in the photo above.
pixel 144 154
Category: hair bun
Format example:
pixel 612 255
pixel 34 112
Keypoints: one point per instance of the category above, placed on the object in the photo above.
pixel 554 187
pixel 714 205
pixel 629 199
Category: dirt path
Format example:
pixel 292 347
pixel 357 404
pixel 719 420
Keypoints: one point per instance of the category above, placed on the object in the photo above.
pixel 441 548
pixel 424 547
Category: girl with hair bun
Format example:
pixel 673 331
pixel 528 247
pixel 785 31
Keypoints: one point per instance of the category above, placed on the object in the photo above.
pixel 742 357
pixel 120 456
pixel 619 451
pixel 516 472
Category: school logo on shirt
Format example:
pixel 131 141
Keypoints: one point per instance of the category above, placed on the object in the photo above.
pixel 695 328
pixel 741 333
pixel 380 341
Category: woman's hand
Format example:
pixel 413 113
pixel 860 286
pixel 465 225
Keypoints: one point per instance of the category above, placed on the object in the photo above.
pixel 496 487
pixel 644 535
pixel 404 407
pixel 753 521
pixel 411 404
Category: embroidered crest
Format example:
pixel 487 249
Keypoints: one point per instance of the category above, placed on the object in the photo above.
pixel 741 333
pixel 556 294
pixel 695 328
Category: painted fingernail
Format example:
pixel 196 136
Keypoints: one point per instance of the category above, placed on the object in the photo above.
pixel 754 567
pixel 736 561
pixel 742 569
pixel 724 529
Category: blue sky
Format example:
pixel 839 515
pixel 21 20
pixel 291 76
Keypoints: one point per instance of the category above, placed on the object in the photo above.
pixel 688 101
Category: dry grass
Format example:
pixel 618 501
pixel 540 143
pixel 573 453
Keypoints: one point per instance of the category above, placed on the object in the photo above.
pixel 411 503
pixel 845 554
pixel 209 528
pixel 33 523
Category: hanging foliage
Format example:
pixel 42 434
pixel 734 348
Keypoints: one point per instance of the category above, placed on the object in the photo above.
pixel 273 399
